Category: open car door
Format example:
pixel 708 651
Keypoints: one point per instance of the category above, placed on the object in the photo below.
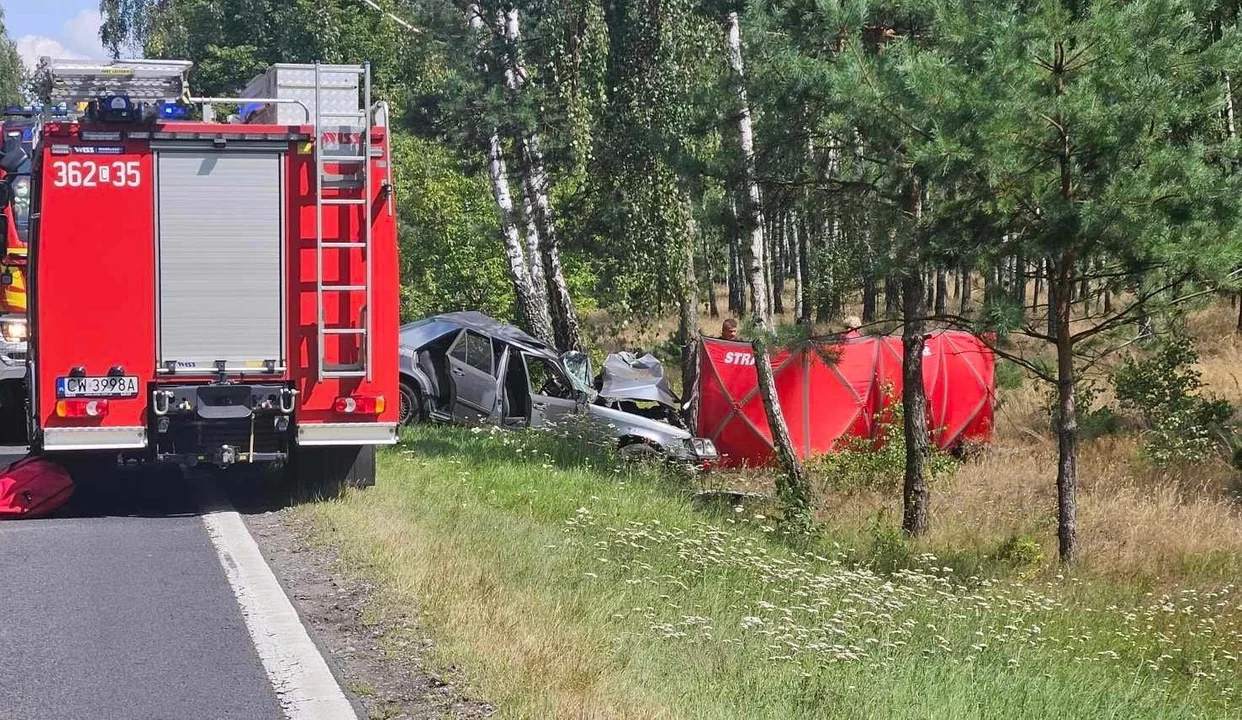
pixel 552 397
pixel 471 373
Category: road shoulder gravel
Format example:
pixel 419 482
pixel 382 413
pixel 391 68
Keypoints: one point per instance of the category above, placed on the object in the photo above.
pixel 383 661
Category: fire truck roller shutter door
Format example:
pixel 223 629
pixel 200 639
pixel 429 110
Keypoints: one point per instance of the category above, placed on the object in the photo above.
pixel 220 254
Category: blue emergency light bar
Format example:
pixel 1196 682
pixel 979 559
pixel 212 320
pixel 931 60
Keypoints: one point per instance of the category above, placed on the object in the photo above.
pixel 174 111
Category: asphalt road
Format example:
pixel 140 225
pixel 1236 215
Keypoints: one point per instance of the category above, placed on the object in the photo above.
pixel 118 608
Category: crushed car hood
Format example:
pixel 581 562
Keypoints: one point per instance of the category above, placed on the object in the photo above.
pixel 626 377
pixel 623 419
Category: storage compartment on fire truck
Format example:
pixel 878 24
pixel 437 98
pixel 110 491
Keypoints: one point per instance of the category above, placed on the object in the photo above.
pixel 220 242
pixel 337 93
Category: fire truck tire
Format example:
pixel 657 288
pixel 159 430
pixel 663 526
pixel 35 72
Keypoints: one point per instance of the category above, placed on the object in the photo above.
pixel 327 471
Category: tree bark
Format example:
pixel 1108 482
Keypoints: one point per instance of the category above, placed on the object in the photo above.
pixel 942 292
pixel 752 215
pixel 801 309
pixel 1067 417
pixel 535 184
pixel 534 256
pixel 915 492
pixel 777 265
pixel 967 287
pixel 532 312
pixel 712 310
pixel 868 298
pixel 892 293
pixel 1019 279
pixel 791 484
pixel 1039 280
pixel 688 322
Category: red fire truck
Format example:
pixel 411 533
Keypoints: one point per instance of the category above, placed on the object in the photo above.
pixel 214 292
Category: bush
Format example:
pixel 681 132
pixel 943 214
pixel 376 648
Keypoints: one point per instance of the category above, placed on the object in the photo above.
pixel 1021 552
pixel 1009 375
pixel 1093 421
pixel 1162 388
pixel 879 463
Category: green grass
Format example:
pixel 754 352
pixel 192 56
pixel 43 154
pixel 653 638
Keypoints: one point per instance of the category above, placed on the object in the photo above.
pixel 565 587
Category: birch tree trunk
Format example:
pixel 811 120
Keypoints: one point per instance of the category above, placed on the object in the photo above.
pixel 535 185
pixel 802 314
pixel 532 311
pixel 688 322
pixel 751 214
pixel 792 487
pixel 534 257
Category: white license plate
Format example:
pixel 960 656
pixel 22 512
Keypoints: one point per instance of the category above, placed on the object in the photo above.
pixel 109 386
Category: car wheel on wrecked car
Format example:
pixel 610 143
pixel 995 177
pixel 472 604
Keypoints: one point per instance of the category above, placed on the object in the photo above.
pixel 640 452
pixel 411 404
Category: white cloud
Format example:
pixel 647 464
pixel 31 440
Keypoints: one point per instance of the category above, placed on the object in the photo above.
pixel 79 39
pixel 82 33
pixel 33 47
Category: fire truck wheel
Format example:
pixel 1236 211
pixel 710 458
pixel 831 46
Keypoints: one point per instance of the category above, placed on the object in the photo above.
pixel 327 471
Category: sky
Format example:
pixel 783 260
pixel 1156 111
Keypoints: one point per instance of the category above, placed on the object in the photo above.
pixel 60 28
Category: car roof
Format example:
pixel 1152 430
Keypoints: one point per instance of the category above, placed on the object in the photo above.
pixel 439 325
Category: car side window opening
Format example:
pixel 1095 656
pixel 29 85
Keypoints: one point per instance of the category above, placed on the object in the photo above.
pixel 473 349
pixel 479 352
pixel 458 351
pixel 545 379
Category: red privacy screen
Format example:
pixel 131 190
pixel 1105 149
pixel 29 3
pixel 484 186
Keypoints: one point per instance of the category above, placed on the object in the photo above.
pixel 835 392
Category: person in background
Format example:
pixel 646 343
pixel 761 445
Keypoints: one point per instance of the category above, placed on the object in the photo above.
pixel 728 331
pixel 853 327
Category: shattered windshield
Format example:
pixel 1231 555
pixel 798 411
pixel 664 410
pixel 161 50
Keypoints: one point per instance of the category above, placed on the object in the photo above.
pixel 578 368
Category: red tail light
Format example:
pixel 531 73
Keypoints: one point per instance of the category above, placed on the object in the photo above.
pixel 81 408
pixel 360 405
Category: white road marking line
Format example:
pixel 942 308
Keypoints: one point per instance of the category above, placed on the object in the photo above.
pixel 304 684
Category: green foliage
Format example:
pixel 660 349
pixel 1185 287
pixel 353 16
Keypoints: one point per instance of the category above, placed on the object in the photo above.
pixel 1021 552
pixel 1093 420
pixel 12 73
pixel 1000 314
pixel 1163 388
pixel 450 257
pixel 1009 375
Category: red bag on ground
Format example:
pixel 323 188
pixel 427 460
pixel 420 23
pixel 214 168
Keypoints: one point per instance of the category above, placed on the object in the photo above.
pixel 32 487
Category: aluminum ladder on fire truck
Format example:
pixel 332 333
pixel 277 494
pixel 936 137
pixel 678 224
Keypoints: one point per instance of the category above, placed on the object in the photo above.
pixel 61 82
pixel 343 123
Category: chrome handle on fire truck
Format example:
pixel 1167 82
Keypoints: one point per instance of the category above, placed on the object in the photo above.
pixel 288 399
pixel 156 406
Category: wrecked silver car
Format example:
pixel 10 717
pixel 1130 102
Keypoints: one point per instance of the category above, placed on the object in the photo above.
pixel 469 368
